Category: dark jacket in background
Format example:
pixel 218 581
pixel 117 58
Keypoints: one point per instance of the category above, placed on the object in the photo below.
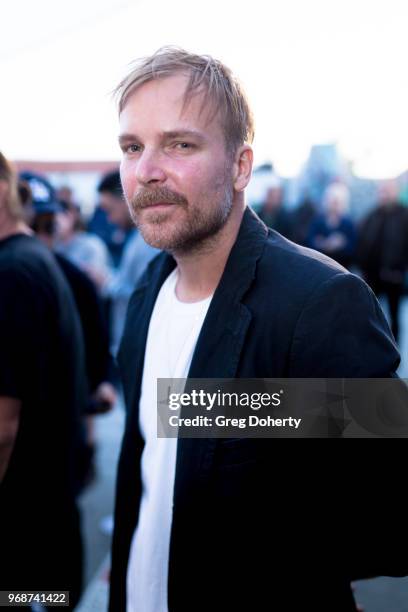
pixel 42 365
pixel 382 251
pixel 93 323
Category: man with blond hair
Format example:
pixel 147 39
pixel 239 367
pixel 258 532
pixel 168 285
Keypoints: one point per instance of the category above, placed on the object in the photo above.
pixel 227 524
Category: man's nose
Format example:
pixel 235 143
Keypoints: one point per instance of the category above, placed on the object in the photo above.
pixel 150 167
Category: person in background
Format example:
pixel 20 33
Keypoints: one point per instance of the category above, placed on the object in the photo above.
pixel 273 212
pixel 301 220
pixel 333 232
pixel 136 254
pixel 113 236
pixel 382 250
pixel 43 393
pixel 39 199
pixel 85 250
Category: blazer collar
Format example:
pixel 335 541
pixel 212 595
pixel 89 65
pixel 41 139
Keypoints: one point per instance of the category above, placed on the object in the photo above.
pixel 223 332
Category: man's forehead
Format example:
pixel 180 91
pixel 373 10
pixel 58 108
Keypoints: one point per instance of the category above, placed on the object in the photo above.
pixel 166 104
pixel 170 88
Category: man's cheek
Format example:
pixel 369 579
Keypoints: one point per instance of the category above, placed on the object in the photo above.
pixel 189 172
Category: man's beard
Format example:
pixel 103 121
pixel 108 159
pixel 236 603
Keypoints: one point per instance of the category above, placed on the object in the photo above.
pixel 195 231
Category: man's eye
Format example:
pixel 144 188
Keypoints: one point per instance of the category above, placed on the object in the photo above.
pixel 184 145
pixel 133 148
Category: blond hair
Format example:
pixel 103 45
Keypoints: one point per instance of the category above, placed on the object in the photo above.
pixel 9 176
pixel 222 91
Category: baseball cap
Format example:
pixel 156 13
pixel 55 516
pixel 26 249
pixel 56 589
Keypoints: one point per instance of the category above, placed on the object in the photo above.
pixel 43 193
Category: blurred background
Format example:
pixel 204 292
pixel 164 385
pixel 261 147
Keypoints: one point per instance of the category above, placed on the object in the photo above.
pixel 328 84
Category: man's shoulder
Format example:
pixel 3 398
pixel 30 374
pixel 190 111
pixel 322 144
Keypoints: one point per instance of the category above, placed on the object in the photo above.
pixel 24 256
pixel 285 261
pixel 331 317
pixel 30 271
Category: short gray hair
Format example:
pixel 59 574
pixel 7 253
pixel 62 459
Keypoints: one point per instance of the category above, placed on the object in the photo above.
pixel 222 91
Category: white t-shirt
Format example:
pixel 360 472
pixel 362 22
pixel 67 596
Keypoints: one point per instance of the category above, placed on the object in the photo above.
pixel 173 332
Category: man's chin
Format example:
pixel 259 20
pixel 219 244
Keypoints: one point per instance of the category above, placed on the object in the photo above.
pixel 154 215
pixel 177 235
pixel 155 235
pixel 166 241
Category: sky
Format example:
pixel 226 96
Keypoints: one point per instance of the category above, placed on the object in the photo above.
pixel 316 72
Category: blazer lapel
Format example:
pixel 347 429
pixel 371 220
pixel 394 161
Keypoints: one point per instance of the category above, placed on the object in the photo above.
pixel 221 340
pixel 223 332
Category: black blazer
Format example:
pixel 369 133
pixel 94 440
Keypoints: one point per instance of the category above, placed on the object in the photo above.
pixel 252 529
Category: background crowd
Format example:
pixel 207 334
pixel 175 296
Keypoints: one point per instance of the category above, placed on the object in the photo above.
pixel 100 255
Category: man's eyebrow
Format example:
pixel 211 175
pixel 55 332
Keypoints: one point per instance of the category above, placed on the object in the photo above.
pixel 167 135
pixel 123 138
pixel 183 134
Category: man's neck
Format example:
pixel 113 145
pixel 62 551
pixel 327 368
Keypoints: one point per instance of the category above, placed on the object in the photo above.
pixel 201 271
pixel 9 227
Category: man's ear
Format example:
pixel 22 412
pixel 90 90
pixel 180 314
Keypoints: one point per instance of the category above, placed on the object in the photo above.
pixel 243 162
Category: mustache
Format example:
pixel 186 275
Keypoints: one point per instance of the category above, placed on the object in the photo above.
pixel 147 197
